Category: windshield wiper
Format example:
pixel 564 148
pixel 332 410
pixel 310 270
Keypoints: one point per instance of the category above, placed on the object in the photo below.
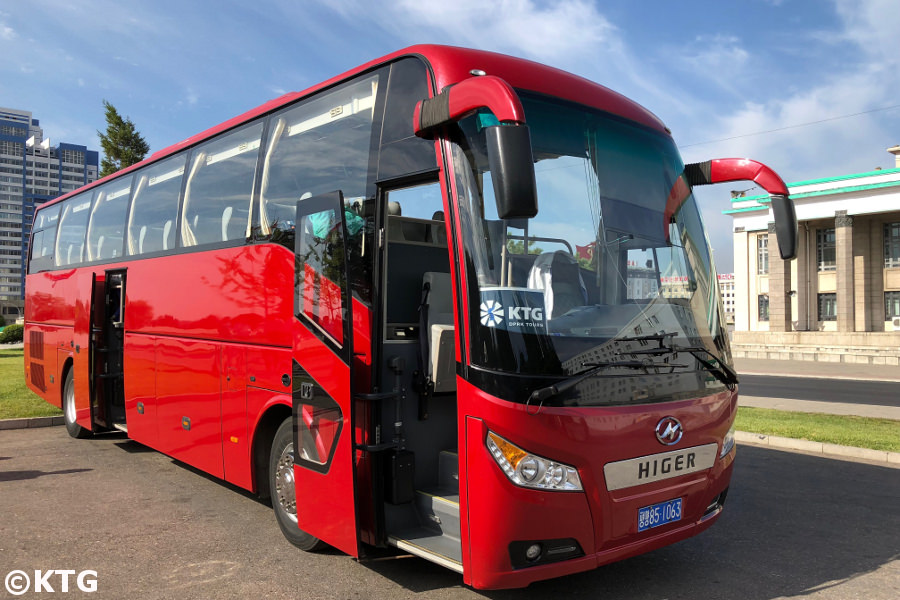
pixel 716 366
pixel 544 393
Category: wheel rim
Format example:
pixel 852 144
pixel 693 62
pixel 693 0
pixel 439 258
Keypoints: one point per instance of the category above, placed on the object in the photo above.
pixel 70 401
pixel 285 491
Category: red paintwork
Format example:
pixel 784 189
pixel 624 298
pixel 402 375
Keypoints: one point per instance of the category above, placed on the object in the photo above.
pixel 479 92
pixel 723 170
pixel 496 512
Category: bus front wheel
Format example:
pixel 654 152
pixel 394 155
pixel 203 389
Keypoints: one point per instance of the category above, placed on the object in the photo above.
pixel 284 490
pixel 75 430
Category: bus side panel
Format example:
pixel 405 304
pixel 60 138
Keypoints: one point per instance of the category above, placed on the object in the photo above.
pixel 48 297
pixel 81 334
pixel 222 294
pixel 140 388
pixel 235 438
pixel 189 396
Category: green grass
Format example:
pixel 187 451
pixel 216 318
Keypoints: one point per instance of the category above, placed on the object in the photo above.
pixel 860 432
pixel 16 400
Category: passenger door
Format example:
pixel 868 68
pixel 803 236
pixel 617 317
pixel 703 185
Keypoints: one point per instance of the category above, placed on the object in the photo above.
pixel 323 431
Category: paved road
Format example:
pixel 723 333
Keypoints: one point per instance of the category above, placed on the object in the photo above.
pixel 794 525
pixel 878 393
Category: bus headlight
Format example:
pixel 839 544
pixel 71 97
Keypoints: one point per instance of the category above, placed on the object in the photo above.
pixel 728 442
pixel 529 470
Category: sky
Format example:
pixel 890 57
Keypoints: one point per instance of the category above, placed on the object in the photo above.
pixel 810 87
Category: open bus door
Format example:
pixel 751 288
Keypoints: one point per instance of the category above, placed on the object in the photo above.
pixel 106 350
pixel 323 431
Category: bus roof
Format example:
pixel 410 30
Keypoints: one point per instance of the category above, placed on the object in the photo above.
pixel 449 65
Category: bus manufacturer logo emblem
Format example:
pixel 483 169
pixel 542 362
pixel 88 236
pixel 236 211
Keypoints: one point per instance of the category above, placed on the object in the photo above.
pixel 491 313
pixel 669 431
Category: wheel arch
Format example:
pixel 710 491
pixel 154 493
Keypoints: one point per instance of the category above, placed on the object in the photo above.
pixel 263 434
pixel 64 371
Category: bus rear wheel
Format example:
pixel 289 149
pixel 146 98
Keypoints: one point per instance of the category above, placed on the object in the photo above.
pixel 284 491
pixel 75 430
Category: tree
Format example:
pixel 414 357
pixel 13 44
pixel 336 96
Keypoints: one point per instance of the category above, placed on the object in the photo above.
pixel 122 145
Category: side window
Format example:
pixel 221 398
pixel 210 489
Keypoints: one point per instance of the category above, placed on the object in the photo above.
pixel 218 191
pixel 151 222
pixel 72 226
pixel 319 146
pixel 44 239
pixel 106 229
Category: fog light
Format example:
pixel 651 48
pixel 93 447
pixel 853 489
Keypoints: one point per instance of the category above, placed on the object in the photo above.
pixel 533 552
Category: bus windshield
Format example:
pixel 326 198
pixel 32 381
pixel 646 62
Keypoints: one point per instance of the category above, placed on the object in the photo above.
pixel 615 269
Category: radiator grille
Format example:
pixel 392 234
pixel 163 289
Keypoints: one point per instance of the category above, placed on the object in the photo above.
pixel 36 345
pixel 37 376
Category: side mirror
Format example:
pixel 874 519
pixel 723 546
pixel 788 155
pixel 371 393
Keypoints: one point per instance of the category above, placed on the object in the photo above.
pixel 512 171
pixel 785 225
pixel 508 144
pixel 722 170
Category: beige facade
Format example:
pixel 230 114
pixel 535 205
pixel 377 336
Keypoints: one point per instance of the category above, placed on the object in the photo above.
pixel 840 298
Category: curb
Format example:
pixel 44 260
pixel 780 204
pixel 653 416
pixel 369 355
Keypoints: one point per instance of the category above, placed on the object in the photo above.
pixel 829 450
pixel 31 422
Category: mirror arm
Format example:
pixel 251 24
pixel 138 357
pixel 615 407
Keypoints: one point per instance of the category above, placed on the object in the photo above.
pixel 722 170
pixel 464 98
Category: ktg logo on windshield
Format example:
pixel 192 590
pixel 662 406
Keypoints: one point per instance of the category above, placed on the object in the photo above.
pixel 513 309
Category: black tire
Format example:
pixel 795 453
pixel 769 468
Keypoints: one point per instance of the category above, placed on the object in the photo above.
pixel 283 489
pixel 68 401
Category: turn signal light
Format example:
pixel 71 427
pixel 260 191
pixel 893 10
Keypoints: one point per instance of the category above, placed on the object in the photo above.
pixel 529 470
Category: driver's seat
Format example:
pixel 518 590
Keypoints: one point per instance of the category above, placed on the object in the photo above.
pixel 559 276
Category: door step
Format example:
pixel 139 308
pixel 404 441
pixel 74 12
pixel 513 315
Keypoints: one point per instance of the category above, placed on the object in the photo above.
pixel 431 545
pixel 121 427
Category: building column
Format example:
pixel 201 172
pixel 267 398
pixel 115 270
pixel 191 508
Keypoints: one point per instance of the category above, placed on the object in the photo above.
pixel 741 281
pixel 779 286
pixel 843 241
pixel 862 267
pixel 803 274
pixel 875 275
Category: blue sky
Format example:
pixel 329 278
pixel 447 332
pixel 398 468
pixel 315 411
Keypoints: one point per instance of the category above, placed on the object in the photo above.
pixel 711 70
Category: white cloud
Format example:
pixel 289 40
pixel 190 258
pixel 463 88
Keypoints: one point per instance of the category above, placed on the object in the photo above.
pixel 7 32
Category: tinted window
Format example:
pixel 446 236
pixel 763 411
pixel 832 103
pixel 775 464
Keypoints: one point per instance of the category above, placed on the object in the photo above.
pixel 320 146
pixel 151 223
pixel 44 239
pixel 218 190
pixel 106 228
pixel 401 151
pixel 72 226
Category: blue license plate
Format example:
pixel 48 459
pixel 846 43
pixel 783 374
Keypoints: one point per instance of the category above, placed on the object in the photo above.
pixel 659 514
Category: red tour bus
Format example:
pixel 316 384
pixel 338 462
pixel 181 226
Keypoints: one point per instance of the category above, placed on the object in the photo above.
pixel 451 302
